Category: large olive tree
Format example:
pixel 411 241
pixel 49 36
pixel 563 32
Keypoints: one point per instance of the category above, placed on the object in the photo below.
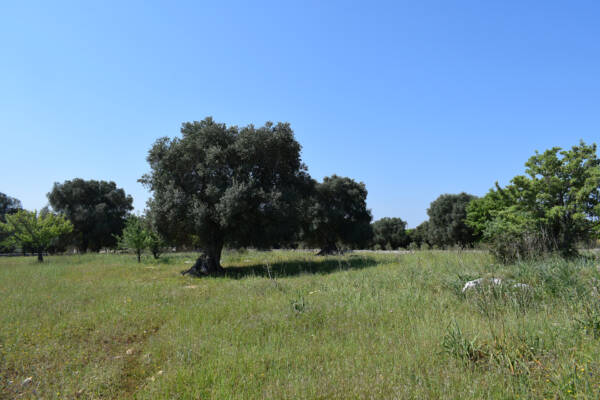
pixel 220 185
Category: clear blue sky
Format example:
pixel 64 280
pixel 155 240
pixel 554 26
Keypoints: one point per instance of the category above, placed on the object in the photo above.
pixel 413 98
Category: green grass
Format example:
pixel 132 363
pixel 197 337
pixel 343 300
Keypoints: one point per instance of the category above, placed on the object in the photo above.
pixel 293 325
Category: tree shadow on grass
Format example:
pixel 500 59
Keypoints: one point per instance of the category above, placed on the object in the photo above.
pixel 281 269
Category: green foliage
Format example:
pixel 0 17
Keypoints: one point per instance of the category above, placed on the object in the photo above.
pixel 225 185
pixel 390 232
pixel 156 244
pixel 589 319
pixel 338 216
pixel 33 230
pixel 447 221
pixel 512 235
pixel 135 237
pixel 552 208
pixel 420 235
pixel 298 305
pixel 97 210
pixel 8 205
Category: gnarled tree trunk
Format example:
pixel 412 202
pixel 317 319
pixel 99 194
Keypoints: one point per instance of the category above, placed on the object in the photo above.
pixel 40 255
pixel 329 249
pixel 209 262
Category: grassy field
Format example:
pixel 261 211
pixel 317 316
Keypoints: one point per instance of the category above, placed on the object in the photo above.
pixel 293 325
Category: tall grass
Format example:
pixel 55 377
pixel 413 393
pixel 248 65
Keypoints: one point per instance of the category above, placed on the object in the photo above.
pixel 285 324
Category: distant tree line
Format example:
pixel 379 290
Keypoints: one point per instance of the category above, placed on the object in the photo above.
pixel 220 186
pixel 446 227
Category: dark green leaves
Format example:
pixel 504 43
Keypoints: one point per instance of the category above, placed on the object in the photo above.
pixel 219 184
pixel 97 210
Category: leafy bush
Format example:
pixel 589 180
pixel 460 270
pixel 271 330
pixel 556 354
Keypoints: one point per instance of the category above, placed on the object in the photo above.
pixel 511 237
pixel 552 208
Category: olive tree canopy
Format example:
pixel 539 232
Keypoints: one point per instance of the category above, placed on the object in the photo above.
pixel 224 185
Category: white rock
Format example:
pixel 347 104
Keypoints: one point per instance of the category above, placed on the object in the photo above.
pixel 477 282
pixel 493 281
pixel 472 284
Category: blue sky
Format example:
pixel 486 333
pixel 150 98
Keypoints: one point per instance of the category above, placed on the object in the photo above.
pixel 413 98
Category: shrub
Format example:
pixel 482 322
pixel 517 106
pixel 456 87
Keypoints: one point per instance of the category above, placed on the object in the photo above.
pixel 552 208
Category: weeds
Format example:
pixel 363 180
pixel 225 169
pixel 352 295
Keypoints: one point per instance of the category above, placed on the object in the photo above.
pixel 339 327
pixel 589 319
pixel 298 305
pixel 458 346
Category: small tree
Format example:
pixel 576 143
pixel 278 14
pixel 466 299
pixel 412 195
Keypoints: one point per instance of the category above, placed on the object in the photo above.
pixel 551 208
pixel 156 244
pixel 35 230
pixel 339 215
pixel 156 241
pixel 135 236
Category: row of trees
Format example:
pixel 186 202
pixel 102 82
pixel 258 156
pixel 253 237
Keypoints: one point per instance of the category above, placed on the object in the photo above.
pixel 553 208
pixel 446 227
pixel 220 185
pixel 215 186
pixel 96 212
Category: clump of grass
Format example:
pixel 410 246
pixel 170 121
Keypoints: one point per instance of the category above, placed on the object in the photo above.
pixel 494 300
pixel 515 354
pixel 298 305
pixel 456 344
